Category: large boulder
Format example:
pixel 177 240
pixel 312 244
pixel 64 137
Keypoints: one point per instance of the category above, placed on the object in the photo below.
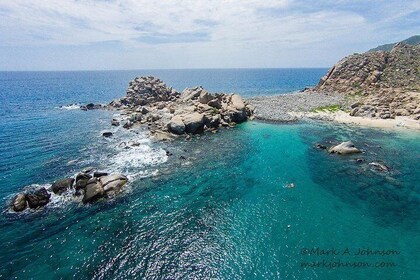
pixel 93 191
pixel 113 183
pixel 235 115
pixel 237 102
pixel 205 97
pixel 215 103
pixel 191 93
pixel 19 202
pixel 81 184
pixel 60 186
pixel 176 125
pixel 344 148
pixel 83 175
pixel 194 122
pixel 38 198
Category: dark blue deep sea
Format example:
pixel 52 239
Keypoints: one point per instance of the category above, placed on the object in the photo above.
pixel 224 212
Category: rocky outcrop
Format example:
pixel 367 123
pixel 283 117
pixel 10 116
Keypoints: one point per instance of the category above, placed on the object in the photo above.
pixel 146 90
pixel 63 185
pixel 176 125
pixel 385 84
pixel 163 110
pixel 19 203
pixel 93 191
pixel 344 148
pixel 113 183
pixel 194 122
pixel 38 198
pixel 88 185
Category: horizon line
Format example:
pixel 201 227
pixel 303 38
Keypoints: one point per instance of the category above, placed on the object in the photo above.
pixel 167 69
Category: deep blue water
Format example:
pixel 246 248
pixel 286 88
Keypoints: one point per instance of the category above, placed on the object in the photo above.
pixel 224 212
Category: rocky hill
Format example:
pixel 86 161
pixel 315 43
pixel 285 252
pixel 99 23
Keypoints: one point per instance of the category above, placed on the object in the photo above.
pixel 385 83
pixel 413 40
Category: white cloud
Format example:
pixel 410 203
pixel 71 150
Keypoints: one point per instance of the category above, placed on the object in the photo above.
pixel 220 28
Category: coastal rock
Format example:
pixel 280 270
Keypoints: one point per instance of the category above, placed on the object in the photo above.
pixel 81 185
pixel 205 97
pixel 83 175
pixel 19 202
pixel 92 106
pixel 38 198
pixel 127 125
pixel 193 123
pixel 113 183
pixel 107 134
pixel 115 122
pixel 382 83
pixel 63 185
pixel 320 146
pixel 176 125
pixel 93 191
pixel 164 110
pixel 379 167
pixel 344 148
pixel 237 102
pixel 215 103
pixel 98 174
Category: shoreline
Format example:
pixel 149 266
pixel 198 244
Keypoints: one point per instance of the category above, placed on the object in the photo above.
pixel 294 107
pixel 401 123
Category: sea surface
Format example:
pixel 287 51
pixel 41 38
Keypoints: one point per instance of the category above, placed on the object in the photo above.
pixel 219 207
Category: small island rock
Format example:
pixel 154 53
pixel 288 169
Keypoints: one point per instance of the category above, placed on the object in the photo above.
pixel 344 148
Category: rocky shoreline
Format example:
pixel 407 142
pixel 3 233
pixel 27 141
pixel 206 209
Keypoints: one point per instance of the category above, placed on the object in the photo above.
pixel 152 106
pixel 281 108
pixel 88 185
pixel 168 114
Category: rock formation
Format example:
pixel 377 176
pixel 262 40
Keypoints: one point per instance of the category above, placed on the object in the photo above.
pixel 90 186
pixel 344 148
pixel 385 83
pixel 150 102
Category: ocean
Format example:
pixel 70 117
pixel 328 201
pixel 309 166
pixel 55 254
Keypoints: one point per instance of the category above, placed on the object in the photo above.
pixel 223 212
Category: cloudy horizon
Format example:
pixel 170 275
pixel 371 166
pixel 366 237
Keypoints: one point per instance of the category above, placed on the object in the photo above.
pixel 128 34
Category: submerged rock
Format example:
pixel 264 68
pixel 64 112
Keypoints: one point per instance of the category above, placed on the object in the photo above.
pixel 38 198
pixel 63 185
pixel 379 166
pixel 344 148
pixel 320 146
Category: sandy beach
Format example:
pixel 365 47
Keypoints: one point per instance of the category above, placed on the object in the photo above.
pixel 343 117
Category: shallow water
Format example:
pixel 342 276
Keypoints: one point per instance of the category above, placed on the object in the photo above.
pixel 222 212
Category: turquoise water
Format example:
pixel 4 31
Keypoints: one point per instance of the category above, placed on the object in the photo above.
pixel 222 213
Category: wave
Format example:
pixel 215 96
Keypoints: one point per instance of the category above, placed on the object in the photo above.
pixel 74 106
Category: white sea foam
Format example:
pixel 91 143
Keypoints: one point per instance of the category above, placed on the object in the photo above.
pixel 71 107
pixel 135 160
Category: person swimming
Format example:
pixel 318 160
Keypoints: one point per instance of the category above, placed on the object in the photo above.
pixel 289 186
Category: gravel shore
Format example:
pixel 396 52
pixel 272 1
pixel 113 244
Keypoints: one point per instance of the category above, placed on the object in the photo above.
pixel 279 107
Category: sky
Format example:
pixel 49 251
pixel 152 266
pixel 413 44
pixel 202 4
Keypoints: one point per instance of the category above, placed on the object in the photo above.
pixel 176 34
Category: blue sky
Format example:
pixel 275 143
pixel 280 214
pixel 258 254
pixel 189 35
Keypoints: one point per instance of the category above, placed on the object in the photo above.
pixel 139 34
